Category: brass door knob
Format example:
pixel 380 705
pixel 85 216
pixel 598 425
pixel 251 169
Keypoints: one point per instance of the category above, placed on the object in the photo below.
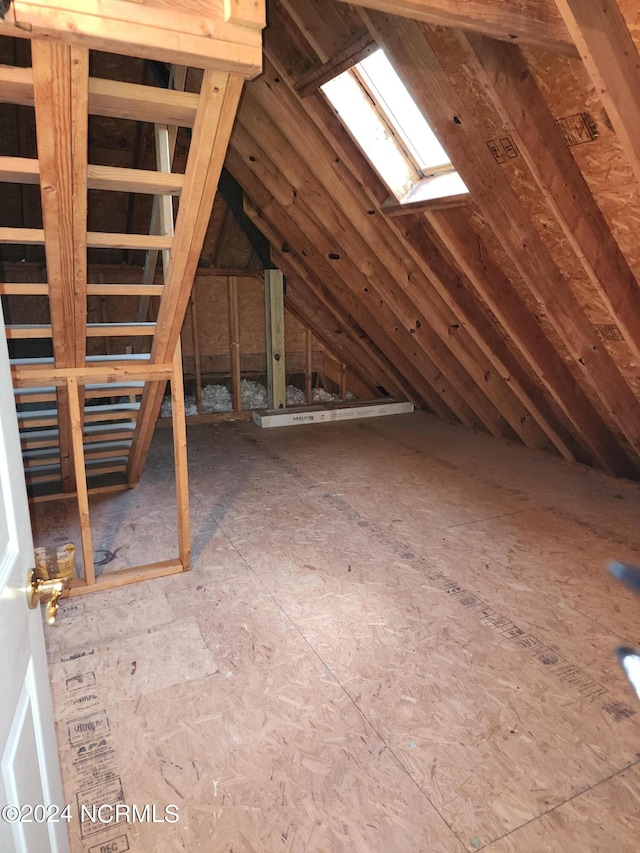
pixel 49 590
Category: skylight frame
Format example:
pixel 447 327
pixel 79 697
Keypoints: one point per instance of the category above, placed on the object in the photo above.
pixel 419 172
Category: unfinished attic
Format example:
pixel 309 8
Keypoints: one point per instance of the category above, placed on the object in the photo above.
pixel 321 375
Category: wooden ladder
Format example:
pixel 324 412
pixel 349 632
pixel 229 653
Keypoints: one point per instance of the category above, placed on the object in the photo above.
pixel 87 421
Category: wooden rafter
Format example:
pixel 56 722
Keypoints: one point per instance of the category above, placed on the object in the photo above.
pixel 610 55
pixel 536 22
pixel 344 202
pixel 407 45
pixel 518 99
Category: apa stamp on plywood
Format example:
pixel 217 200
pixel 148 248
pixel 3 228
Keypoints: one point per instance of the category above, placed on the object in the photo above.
pixel 111 845
pixel 86 728
pixel 107 794
pixel 77 682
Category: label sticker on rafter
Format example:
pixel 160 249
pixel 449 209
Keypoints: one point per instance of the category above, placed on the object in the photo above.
pixel 578 129
pixel 503 149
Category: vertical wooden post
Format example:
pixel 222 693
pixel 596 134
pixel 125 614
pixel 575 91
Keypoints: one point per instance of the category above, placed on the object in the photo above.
pixel 196 348
pixel 308 366
pixel 81 479
pixel 180 459
pixel 274 318
pixel 343 381
pixel 234 342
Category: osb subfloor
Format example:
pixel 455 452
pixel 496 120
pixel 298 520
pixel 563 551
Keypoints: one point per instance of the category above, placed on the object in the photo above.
pixel 397 636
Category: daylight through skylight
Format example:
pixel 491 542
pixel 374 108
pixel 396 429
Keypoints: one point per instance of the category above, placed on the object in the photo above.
pixel 377 109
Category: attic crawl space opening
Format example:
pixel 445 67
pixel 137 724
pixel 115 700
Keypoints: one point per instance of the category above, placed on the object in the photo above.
pixel 376 108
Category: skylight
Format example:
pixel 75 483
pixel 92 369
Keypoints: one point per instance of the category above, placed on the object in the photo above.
pixel 375 106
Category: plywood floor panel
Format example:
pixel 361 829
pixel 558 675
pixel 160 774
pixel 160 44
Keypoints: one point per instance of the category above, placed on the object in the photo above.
pixel 397 636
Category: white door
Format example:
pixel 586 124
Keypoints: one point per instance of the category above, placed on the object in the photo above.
pixel 30 785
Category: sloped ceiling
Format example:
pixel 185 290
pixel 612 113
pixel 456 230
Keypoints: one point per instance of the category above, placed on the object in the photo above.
pixel 517 314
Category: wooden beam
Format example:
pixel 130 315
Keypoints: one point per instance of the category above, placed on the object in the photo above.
pixel 111 98
pixel 535 23
pixel 93 330
pixel 234 342
pixel 515 93
pixel 609 53
pixel 197 36
pixel 180 460
pixel 274 320
pixel 20 289
pixel 111 580
pixel 474 259
pixel 407 45
pixel 134 180
pixel 245 13
pixel 92 239
pixel 19 170
pixel 359 46
pixel 219 98
pixel 308 366
pixel 103 374
pixel 60 85
pixel 195 339
pixel 81 478
pixel 27 171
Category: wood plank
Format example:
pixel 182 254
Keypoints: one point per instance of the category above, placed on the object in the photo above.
pixel 134 180
pixel 138 29
pixel 474 258
pixel 34 377
pixel 93 240
pixel 122 289
pixel 60 86
pixel 20 289
pixel 407 44
pixel 111 98
pixel 23 170
pixel 19 170
pixel 193 313
pixel 94 330
pixel 27 236
pixel 137 574
pixel 393 208
pixel 359 46
pixel 143 242
pixel 246 13
pixel 94 490
pixel 180 460
pixel 515 93
pixel 536 23
pixel 308 366
pixel 80 479
pixel 219 98
pixel 274 332
pixel 116 99
pixel 234 341
pixel 609 53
